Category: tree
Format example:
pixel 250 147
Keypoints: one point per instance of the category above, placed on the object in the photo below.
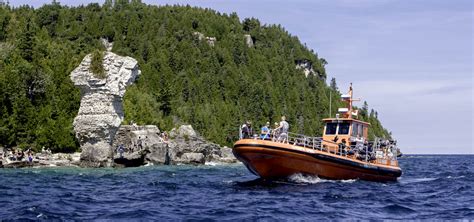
pixel 251 24
pixel 26 42
pixel 213 88
pixel 333 84
pixel 365 109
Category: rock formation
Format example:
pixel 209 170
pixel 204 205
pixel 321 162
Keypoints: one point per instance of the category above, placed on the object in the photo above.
pixel 210 40
pixel 184 146
pixel 129 135
pixel 248 40
pixel 101 110
pixel 185 143
pixel 306 66
pixel 108 45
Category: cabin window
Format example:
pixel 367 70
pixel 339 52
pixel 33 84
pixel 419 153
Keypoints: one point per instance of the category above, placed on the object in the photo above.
pixel 343 128
pixel 331 128
pixel 360 132
pixel 355 129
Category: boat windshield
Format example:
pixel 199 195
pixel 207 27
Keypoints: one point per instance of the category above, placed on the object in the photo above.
pixel 355 129
pixel 343 128
pixel 331 128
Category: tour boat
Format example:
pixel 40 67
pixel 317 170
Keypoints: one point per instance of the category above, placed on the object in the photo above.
pixel 343 152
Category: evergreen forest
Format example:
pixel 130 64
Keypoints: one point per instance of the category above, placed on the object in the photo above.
pixel 185 80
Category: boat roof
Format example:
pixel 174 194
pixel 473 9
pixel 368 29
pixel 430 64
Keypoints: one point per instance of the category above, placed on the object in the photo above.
pixel 345 119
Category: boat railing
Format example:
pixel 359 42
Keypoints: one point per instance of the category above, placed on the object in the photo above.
pixel 370 154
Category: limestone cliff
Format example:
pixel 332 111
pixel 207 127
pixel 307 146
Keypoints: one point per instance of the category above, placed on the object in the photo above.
pixel 101 110
pixel 306 66
pixel 249 40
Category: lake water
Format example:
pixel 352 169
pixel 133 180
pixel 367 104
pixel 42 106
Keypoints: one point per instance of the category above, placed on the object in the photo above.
pixel 431 187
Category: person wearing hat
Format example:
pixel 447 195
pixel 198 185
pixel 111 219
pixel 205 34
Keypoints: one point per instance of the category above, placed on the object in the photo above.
pixel 265 131
pixel 246 130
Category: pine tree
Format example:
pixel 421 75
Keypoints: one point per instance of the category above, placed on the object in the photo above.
pixel 333 84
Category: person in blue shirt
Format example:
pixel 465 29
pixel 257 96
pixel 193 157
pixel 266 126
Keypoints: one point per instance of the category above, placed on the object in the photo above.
pixel 265 132
pixel 121 149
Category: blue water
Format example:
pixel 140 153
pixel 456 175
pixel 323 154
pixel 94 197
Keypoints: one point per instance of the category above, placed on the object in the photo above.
pixel 432 187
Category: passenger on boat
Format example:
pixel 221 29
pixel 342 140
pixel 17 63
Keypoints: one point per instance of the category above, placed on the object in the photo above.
pixel 265 132
pixel 283 128
pixel 342 147
pixel 275 132
pixel 247 130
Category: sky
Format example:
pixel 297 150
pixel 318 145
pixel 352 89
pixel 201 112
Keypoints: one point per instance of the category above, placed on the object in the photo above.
pixel 412 61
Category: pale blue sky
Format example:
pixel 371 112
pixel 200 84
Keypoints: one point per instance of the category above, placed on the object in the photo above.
pixel 411 60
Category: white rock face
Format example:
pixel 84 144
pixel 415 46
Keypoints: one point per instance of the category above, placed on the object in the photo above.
pixel 108 45
pixel 248 40
pixel 210 40
pixel 101 110
pixel 306 66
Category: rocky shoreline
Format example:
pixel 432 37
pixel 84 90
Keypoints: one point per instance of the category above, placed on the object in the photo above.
pixel 105 142
pixel 44 160
pixel 185 146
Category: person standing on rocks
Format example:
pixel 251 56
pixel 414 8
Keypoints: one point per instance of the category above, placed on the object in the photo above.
pixel 139 143
pixel 121 150
pixel 165 137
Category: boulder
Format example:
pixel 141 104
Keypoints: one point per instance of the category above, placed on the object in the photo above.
pixel 130 135
pixel 159 154
pixel 191 158
pixel 101 110
pixel 186 140
pixel 183 131
pixel 185 146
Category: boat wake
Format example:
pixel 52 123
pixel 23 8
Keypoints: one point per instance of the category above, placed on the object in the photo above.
pixel 418 180
pixel 308 179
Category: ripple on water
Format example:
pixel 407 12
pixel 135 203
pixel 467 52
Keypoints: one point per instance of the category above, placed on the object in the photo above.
pixel 431 187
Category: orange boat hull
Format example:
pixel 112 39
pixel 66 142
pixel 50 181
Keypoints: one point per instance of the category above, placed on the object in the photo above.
pixel 272 160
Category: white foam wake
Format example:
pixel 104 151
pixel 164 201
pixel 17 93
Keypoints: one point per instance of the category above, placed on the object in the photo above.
pixel 308 179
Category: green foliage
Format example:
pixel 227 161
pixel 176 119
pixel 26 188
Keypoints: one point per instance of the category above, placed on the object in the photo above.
pixel 183 80
pixel 333 84
pixel 97 67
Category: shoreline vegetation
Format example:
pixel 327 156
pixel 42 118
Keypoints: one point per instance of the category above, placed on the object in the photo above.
pixel 200 67
pixel 97 67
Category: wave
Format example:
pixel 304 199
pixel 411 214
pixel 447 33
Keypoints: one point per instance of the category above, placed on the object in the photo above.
pixel 418 180
pixel 213 163
pixel 458 177
pixel 308 179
